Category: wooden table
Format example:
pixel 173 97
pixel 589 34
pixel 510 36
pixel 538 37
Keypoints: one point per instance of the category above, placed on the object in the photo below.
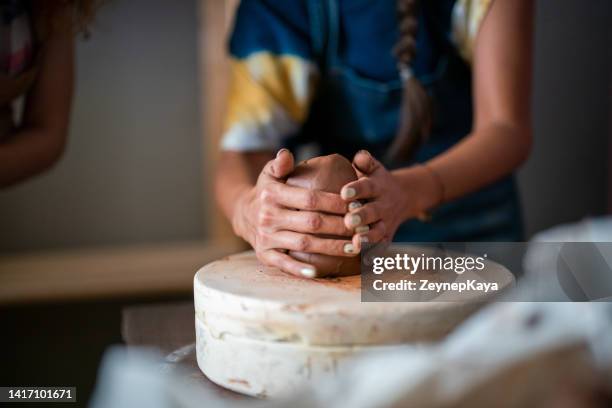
pixel 106 273
pixel 169 327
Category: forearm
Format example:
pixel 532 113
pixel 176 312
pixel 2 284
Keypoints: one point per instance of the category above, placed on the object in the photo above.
pixel 237 174
pixel 488 154
pixel 501 137
pixel 28 152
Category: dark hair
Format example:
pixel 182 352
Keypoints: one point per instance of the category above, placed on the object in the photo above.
pixel 415 115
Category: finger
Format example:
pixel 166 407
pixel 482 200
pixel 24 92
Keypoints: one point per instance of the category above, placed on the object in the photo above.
pixel 365 215
pixel 311 200
pixel 312 222
pixel 287 264
pixel 280 167
pixel 295 241
pixel 361 189
pixel 365 163
pixel 360 241
pixel 376 234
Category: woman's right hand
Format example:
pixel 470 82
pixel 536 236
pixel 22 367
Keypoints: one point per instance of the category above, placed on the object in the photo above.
pixel 275 218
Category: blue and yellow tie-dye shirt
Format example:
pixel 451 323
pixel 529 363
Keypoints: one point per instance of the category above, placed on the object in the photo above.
pixel 275 69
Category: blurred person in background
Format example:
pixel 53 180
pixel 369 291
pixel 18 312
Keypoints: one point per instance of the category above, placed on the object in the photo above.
pixel 37 63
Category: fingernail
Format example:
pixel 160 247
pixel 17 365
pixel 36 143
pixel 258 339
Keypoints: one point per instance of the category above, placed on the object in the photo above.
pixel 280 151
pixel 308 272
pixel 355 220
pixel 362 229
pixel 349 248
pixel 348 193
pixel 354 205
pixel 364 239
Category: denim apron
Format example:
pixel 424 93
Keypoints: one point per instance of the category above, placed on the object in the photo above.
pixel 353 112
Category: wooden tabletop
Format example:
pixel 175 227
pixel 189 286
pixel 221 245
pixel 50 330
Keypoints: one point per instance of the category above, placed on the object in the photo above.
pixel 98 273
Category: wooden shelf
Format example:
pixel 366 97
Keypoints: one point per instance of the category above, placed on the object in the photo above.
pixel 106 272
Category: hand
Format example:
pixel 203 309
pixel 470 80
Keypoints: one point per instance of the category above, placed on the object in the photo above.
pixel 380 200
pixel 267 217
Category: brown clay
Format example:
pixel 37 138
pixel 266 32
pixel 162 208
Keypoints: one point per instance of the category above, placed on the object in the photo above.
pixel 330 174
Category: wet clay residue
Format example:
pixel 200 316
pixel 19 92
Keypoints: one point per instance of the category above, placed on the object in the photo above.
pixel 239 381
pixel 349 284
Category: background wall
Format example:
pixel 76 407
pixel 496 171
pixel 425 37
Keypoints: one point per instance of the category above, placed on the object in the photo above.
pixel 132 171
pixel 566 177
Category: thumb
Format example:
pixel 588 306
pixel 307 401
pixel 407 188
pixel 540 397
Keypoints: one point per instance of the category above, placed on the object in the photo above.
pixel 281 166
pixel 365 163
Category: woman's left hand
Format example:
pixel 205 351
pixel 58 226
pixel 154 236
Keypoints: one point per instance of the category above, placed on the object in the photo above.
pixel 380 200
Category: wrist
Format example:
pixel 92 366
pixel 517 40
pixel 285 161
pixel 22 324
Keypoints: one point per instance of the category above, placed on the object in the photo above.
pixel 238 214
pixel 422 189
pixel 434 194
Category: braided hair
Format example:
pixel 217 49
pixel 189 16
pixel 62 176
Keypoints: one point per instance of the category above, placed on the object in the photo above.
pixel 415 116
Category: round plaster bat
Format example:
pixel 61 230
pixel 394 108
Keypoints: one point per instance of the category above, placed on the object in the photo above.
pixel 271 370
pixel 260 331
pixel 329 174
